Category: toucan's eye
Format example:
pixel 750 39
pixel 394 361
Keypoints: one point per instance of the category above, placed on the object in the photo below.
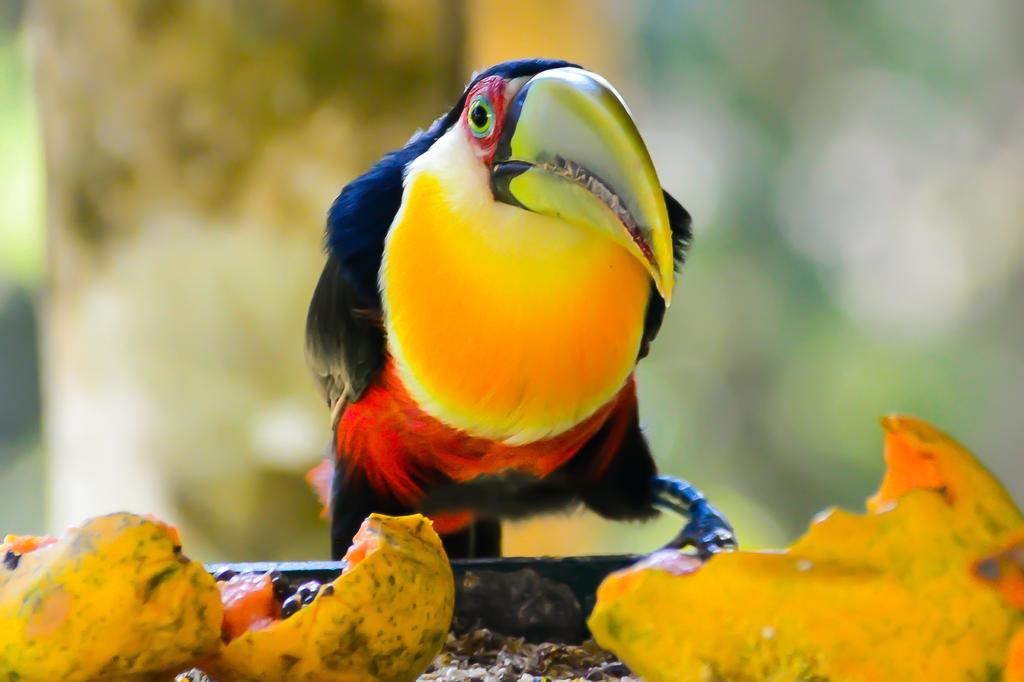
pixel 481 116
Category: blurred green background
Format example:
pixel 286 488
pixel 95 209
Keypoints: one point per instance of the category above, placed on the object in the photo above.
pixel 854 170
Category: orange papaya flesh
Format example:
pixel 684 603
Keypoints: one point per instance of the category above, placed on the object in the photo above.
pixel 16 546
pixel 23 544
pixel 364 543
pixel 907 468
pixel 922 459
pixel 252 603
pixel 1014 671
pixel 249 604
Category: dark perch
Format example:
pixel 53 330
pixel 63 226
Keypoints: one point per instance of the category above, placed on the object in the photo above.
pixel 538 598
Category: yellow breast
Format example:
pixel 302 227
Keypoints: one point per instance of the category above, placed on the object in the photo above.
pixel 504 323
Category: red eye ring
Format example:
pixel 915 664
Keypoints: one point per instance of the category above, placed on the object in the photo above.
pixel 483 115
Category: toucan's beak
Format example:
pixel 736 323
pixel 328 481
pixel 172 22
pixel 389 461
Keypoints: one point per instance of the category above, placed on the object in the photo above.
pixel 569 149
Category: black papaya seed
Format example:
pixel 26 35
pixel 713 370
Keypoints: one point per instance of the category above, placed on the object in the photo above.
pixel 291 606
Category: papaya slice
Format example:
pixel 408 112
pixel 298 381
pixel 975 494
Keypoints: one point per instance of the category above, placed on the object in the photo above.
pixel 112 599
pixel 385 618
pixel 887 594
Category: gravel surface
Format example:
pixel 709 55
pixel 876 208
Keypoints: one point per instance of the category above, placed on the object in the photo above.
pixel 485 656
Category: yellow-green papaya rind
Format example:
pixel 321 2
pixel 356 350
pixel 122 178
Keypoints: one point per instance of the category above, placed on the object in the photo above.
pixel 384 619
pixel 113 599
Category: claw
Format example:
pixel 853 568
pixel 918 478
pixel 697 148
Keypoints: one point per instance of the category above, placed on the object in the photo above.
pixel 707 531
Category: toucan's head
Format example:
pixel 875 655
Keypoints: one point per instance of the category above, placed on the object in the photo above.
pixel 558 140
pixel 521 251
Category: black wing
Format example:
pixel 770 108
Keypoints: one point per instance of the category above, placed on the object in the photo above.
pixel 344 340
pixel 679 221
pixel 345 345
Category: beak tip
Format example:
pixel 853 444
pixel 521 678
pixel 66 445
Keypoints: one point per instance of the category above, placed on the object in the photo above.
pixel 664 281
pixel 664 288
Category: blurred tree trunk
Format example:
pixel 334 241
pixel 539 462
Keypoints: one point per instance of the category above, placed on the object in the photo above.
pixel 594 33
pixel 192 149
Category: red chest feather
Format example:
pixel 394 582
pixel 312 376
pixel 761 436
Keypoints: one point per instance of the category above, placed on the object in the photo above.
pixel 399 446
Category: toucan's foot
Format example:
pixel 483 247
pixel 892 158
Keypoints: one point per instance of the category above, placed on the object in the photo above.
pixel 707 531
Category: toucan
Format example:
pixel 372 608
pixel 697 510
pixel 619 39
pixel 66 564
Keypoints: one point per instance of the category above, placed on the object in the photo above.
pixel 488 291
